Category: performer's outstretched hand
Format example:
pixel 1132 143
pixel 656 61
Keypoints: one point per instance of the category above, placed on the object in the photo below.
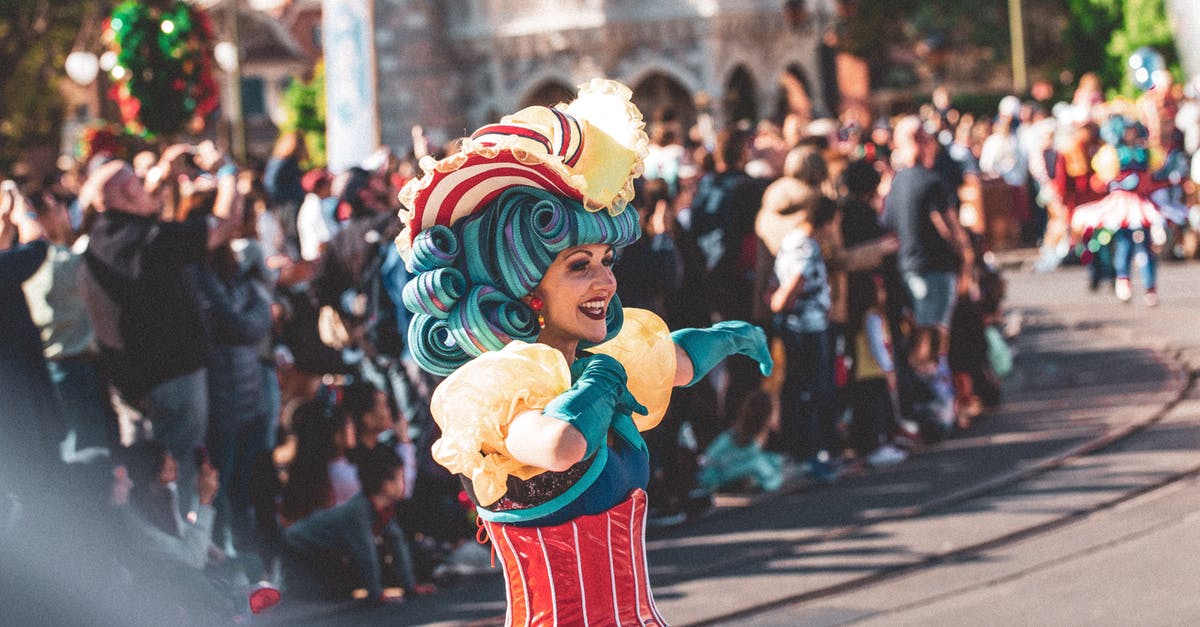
pixel 590 403
pixel 707 347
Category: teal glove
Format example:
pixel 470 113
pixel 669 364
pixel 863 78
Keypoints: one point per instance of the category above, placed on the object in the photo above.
pixel 598 394
pixel 707 347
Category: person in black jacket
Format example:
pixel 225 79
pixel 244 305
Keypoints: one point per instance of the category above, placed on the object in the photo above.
pixel 721 226
pixel 139 283
pixel 27 410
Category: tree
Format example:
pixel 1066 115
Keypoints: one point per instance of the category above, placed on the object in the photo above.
pixel 1106 32
pixel 304 107
pixel 35 38
pixel 1145 24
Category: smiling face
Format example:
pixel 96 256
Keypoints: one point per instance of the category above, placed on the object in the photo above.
pixel 576 292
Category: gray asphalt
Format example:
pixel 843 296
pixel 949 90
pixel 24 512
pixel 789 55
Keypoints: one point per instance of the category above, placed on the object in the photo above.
pixel 1074 502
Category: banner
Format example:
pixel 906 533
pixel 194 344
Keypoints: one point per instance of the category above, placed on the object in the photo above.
pixel 352 114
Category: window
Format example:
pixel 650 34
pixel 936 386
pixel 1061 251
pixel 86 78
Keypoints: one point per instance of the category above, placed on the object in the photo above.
pixel 253 97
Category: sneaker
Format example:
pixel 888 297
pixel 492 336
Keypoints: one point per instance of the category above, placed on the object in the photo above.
pixel 263 597
pixel 823 471
pixel 1151 298
pixel 1123 290
pixel 907 437
pixel 886 455
pixel 666 519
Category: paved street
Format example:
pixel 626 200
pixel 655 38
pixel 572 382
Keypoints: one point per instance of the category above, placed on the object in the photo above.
pixel 1074 502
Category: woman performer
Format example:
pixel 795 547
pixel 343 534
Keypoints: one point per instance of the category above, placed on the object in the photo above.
pixel 549 380
pixel 1136 223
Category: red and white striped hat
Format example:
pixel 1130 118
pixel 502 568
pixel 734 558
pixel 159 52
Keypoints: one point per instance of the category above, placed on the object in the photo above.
pixel 589 150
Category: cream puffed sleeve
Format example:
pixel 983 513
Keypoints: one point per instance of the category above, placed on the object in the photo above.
pixel 475 404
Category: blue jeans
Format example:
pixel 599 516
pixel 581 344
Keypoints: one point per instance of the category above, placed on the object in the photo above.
pixel 1129 244
pixel 90 423
pixel 272 401
pixel 933 296
pixel 174 412
pixel 233 454
pixel 806 399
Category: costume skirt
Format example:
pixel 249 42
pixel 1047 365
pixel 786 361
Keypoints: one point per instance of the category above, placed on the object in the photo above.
pixel 589 571
pixel 1120 209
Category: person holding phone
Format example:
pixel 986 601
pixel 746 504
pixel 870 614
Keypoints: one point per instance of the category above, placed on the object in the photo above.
pixel 139 283
pixel 28 408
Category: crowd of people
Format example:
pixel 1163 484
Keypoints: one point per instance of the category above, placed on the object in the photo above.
pixel 214 355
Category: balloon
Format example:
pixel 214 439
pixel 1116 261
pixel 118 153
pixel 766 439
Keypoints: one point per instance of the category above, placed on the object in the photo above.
pixel 82 67
pixel 108 60
pixel 1147 68
pixel 226 54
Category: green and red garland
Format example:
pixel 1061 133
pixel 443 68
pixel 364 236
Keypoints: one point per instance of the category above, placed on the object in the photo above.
pixel 163 77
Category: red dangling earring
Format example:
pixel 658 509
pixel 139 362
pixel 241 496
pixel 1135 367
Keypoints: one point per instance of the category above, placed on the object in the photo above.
pixel 536 305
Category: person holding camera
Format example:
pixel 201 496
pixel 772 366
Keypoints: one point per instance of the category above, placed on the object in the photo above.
pixel 139 283
pixel 28 408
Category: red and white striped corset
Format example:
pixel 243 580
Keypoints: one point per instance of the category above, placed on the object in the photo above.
pixel 589 571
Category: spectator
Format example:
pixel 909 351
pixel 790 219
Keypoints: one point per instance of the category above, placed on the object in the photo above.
pixel 722 228
pixel 665 158
pixel 861 208
pixel 349 284
pixel 28 434
pixel 139 286
pixel 239 319
pixel 153 513
pixel 801 308
pixel 1001 157
pixel 318 545
pixel 282 180
pixel 735 460
pixel 875 391
pixel 319 476
pixel 377 421
pixel 930 258
pixel 68 340
pixel 169 555
pixel 651 269
pixel 313 227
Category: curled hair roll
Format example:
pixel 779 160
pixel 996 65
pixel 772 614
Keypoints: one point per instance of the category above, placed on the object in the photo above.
pixel 435 292
pixel 430 343
pixel 487 319
pixel 466 296
pixel 526 228
pixel 435 247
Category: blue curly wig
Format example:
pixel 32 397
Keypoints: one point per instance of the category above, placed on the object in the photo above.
pixel 466 297
pixel 1131 157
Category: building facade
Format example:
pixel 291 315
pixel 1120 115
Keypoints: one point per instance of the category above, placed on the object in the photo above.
pixel 454 65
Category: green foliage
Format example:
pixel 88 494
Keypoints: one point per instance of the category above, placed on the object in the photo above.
pixel 885 31
pixel 304 110
pixel 35 38
pixel 1104 33
pixel 871 27
pixel 1089 28
pixel 1144 24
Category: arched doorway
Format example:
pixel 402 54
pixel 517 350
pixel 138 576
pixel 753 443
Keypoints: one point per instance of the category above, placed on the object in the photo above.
pixel 547 94
pixel 665 101
pixel 740 101
pixel 794 95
